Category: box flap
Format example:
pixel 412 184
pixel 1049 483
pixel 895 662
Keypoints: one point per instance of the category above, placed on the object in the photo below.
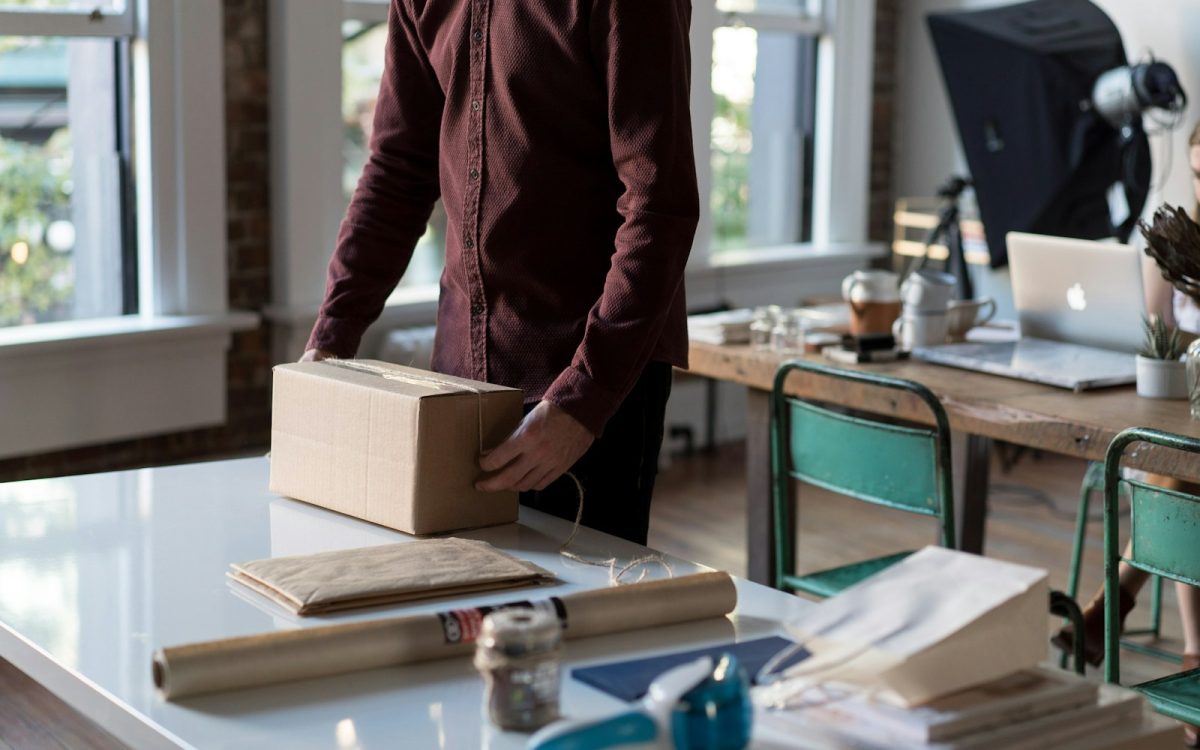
pixel 393 378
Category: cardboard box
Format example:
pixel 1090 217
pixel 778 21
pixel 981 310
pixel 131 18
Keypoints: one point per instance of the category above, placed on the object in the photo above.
pixel 388 444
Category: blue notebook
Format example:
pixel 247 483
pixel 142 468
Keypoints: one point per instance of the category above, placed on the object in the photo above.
pixel 629 680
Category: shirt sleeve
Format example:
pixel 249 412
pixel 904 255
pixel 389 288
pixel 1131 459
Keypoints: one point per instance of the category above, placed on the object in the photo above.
pixel 394 197
pixel 642 51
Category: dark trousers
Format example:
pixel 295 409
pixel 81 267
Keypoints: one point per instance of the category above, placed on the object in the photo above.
pixel 618 471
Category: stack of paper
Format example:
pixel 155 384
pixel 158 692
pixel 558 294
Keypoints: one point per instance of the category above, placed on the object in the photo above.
pixel 729 327
pixel 1031 709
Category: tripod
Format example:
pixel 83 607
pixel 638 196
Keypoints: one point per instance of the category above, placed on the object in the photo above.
pixel 949 232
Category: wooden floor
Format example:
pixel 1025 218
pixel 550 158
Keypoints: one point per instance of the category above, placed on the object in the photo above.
pixel 699 514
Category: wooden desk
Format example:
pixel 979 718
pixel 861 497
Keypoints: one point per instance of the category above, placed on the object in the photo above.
pixel 981 407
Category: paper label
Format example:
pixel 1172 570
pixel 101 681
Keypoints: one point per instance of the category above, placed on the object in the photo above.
pixel 464 625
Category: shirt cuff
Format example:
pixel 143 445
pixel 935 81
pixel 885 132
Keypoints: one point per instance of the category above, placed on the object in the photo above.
pixel 336 335
pixel 590 403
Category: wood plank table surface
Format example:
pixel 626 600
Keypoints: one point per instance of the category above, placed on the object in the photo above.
pixel 980 407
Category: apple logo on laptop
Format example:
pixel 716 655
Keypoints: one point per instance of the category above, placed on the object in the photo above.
pixel 1076 298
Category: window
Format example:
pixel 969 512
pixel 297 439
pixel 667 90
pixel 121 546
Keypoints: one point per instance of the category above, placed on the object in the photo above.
pixel 363 41
pixel 761 147
pixel 67 249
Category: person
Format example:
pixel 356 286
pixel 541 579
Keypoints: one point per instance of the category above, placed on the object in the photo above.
pixel 1182 311
pixel 558 135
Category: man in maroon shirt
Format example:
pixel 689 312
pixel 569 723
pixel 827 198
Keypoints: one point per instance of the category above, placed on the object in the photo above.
pixel 557 133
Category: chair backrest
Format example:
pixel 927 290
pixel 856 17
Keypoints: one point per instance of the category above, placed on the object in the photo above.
pixel 1163 529
pixel 898 466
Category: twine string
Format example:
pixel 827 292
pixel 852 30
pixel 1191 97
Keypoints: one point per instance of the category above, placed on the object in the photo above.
pixel 614 575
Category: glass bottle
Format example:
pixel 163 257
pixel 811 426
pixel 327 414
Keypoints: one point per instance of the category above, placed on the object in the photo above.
pixel 1193 377
pixel 760 328
pixel 787 337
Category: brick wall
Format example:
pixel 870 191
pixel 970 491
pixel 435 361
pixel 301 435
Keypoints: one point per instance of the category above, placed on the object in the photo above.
pixel 247 154
pixel 887 20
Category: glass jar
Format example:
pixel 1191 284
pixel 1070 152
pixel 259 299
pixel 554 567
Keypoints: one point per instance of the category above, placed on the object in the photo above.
pixel 519 653
pixel 1193 377
pixel 787 337
pixel 762 326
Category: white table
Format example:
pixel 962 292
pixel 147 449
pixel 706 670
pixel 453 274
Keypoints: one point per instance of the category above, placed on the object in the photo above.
pixel 96 572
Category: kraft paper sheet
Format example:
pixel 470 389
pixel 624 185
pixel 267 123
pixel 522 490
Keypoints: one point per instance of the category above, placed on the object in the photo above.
pixel 385 574
pixel 284 656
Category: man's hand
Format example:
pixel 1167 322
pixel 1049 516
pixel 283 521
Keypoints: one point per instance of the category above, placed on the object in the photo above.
pixel 544 446
pixel 316 355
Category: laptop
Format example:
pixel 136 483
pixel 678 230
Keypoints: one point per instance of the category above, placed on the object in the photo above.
pixel 1079 304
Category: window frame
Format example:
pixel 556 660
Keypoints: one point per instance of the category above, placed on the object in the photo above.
pixel 180 202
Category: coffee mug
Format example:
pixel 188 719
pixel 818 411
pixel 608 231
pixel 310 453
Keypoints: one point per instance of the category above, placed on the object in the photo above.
pixel 927 291
pixel 914 330
pixel 871 286
pixel 965 314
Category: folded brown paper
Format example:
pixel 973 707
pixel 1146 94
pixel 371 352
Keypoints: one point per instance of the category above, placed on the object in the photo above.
pixel 284 656
pixel 386 574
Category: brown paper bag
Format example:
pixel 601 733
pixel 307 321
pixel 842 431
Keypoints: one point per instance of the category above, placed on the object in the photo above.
pixel 386 574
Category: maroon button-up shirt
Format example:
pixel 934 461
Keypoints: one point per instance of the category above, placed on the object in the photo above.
pixel 557 133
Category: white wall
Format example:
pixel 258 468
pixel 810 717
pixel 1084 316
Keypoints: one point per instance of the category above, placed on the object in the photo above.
pixel 926 142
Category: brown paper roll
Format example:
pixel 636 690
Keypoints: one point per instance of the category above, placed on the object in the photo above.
pixel 250 661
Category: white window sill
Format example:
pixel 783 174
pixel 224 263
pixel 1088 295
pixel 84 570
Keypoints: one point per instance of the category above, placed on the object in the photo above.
pixel 96 381
pixel 73 335
pixel 784 257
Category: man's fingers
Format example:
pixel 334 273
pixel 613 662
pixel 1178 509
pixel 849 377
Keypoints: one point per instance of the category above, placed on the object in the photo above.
pixel 548 478
pixel 509 477
pixel 502 454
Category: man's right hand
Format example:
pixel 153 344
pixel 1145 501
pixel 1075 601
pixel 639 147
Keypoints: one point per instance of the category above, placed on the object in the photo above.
pixel 316 355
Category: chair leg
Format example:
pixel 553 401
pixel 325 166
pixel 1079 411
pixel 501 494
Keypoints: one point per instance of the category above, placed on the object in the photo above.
pixel 1081 520
pixel 1156 608
pixel 1064 606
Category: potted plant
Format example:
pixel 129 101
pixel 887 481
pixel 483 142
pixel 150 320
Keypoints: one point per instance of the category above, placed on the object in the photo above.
pixel 1161 372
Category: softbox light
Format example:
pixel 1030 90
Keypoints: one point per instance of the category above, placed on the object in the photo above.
pixel 1020 80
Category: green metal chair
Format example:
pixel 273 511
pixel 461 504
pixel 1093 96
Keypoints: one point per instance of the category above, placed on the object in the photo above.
pixel 908 468
pixel 1164 543
pixel 895 466
pixel 1093 483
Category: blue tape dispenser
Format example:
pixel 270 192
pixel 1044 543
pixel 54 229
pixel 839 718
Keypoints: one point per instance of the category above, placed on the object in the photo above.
pixel 695 706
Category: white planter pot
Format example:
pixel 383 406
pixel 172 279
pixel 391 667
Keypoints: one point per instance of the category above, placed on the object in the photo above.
pixel 1161 378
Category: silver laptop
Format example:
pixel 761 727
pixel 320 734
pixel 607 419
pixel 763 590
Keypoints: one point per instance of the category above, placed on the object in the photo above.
pixel 1080 306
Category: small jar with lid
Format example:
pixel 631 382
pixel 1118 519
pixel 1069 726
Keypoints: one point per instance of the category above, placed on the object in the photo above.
pixel 519 654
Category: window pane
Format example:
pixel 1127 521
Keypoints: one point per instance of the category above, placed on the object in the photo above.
pixel 60 186
pixel 775 7
pixel 762 146
pixel 362 67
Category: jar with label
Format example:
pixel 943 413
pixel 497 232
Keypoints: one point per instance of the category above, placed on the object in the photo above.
pixel 519 654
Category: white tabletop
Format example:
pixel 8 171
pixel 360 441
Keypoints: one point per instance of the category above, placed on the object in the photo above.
pixel 98 571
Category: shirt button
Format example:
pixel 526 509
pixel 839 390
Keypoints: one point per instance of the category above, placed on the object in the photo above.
pixel 477 36
pixel 476 309
pixel 470 244
pixel 474 173
pixel 476 106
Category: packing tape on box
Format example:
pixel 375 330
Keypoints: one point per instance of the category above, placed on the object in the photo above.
pixel 285 656
pixel 425 381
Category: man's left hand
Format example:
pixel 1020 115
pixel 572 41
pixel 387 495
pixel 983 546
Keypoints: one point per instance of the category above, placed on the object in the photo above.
pixel 544 446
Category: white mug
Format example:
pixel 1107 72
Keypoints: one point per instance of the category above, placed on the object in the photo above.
pixel 965 314
pixel 927 291
pixel 871 286
pixel 914 330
